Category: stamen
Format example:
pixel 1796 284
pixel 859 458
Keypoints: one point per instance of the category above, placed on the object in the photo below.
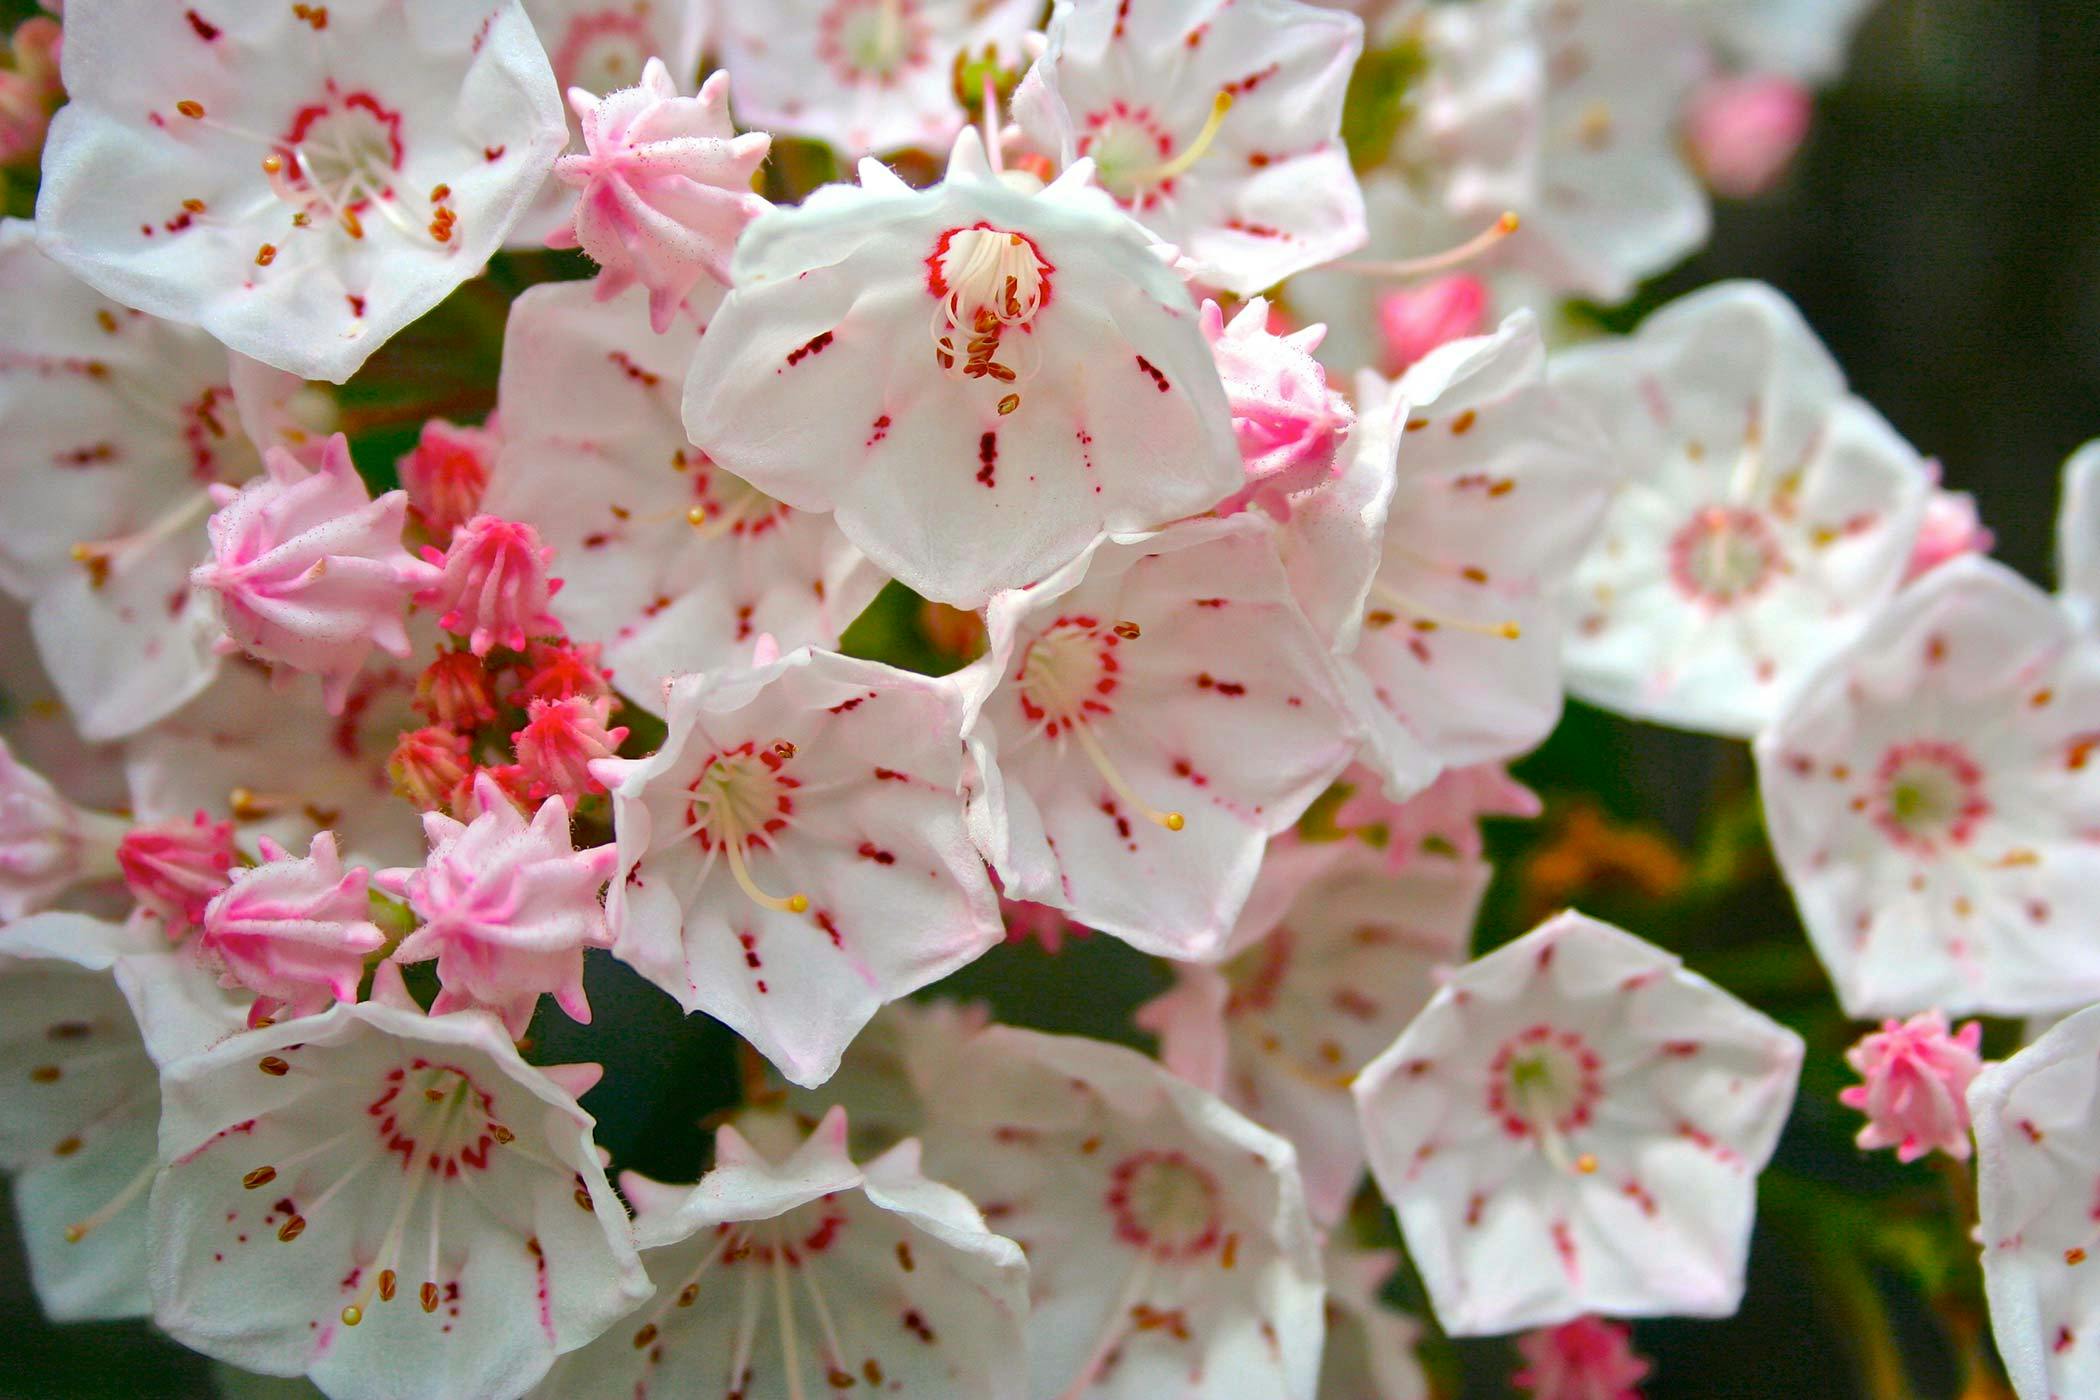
pixel 114 1206
pixel 793 904
pixel 99 557
pixel 791 1361
pixel 1474 247
pixel 1193 152
pixel 1425 620
pixel 1091 746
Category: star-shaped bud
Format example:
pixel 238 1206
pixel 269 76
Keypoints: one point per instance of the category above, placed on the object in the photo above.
pixel 1930 796
pixel 795 856
pixel 2035 1117
pixel 561 740
pixel 863 75
pixel 391 1203
pixel 1744 130
pixel 301 188
pixel 1413 321
pixel 1470 491
pixel 980 358
pixel 1218 128
pixel 1289 424
pixel 2078 536
pixel 672 563
pixel 1916 1077
pixel 1167 1236
pixel 665 187
pixel 508 906
pixel 493 587
pixel 174 869
pixel 602 46
pixel 433 768
pixel 1575 1124
pixel 1332 958
pixel 456 691
pixel 1443 818
pixel 791 1270
pixel 1767 513
pixel 1145 720
pixel 118 423
pixel 1370 1351
pixel 1587 1359
pixel 309 570
pixel 80 1097
pixel 47 844
pixel 293 930
pixel 1949 528
pixel 447 473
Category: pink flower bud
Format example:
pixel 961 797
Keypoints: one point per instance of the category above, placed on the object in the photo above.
pixel 456 691
pixel 175 869
pixel 1744 131
pixel 46 843
pixel 309 569
pixel 507 908
pixel 1288 422
pixel 666 184
pixel 1587 1359
pixel 560 740
pixel 1951 528
pixel 1416 320
pixel 558 670
pixel 447 473
pixel 293 931
pixel 431 768
pixel 494 587
pixel 29 91
pixel 1917 1081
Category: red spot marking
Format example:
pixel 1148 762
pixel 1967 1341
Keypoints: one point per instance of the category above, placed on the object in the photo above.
pixel 987 457
pixel 648 379
pixel 814 346
pixel 206 30
pixel 870 851
pixel 831 930
pixel 891 775
pixel 1241 87
pixel 881 431
pixel 1158 379
pixel 492 153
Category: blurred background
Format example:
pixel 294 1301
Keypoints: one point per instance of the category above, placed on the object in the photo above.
pixel 1941 230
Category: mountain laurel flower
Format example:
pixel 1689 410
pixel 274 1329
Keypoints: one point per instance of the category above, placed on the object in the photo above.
pixel 493 587
pixel 1744 130
pixel 302 186
pixel 393 1204
pixel 792 1271
pixel 558 670
pixel 1587 1359
pixel 794 856
pixel 174 869
pixel 561 740
pixel 1575 1124
pixel 47 844
pixel 432 767
pixel 309 570
pixel 1217 127
pixel 1917 1080
pixel 1443 818
pixel 293 930
pixel 982 357
pixel 665 190
pixel 447 473
pixel 507 907
pixel 1289 424
pixel 1412 321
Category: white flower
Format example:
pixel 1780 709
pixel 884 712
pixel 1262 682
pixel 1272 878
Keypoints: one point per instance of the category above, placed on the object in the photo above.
pixel 1370 1353
pixel 301 181
pixel 976 381
pixel 2078 536
pixel 1145 720
pixel 794 855
pixel 671 563
pixel 1766 512
pixel 1218 127
pixel 1931 797
pixel 1332 959
pixel 1575 1124
pixel 1168 1245
pixel 1434 563
pixel 864 75
pixel 2034 1117
pixel 47 844
pixel 791 1271
pixel 390 1203
pixel 80 1096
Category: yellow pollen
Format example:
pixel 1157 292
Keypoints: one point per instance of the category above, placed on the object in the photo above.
pixel 1586 1164
pixel 696 517
pixel 352 1315
pixel 273 164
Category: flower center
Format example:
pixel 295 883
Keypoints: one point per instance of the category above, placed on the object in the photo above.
pixel 435 1117
pixel 1544 1084
pixel 1929 791
pixel 1724 556
pixel 730 505
pixel 742 799
pixel 1164 1203
pixel 339 156
pixel 987 282
pixel 1067 673
pixel 1134 156
pixel 603 52
pixel 872 39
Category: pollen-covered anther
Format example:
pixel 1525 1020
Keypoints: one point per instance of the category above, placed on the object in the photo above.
pixel 987 281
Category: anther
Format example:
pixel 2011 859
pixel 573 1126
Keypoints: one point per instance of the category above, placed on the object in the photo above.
pixel 192 109
pixel 696 517
pixel 1128 631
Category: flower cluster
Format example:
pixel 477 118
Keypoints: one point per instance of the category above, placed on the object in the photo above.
pixel 625 688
